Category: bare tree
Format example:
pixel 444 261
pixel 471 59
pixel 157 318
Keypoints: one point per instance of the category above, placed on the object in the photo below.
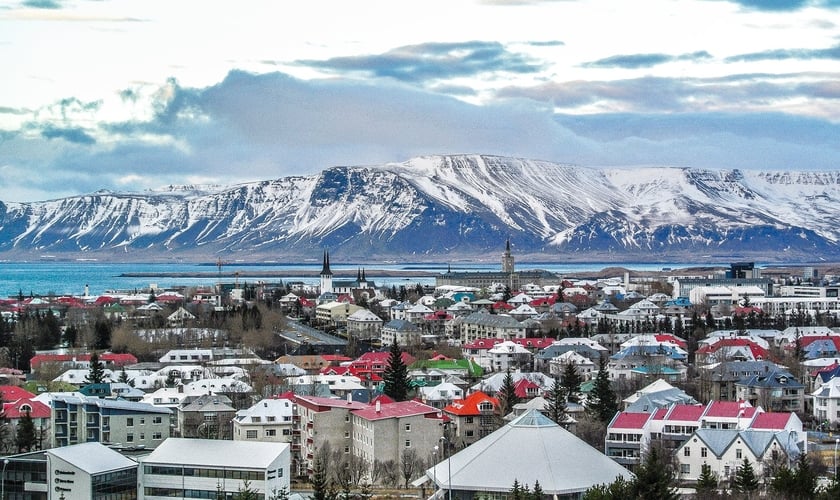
pixel 410 462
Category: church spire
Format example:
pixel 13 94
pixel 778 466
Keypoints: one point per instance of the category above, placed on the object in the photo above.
pixel 326 269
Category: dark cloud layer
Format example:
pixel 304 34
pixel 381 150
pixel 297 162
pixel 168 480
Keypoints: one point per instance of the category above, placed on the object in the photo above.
pixel 419 63
pixel 634 61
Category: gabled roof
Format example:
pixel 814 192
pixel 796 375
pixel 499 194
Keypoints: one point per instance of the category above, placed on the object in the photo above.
pixel 16 409
pixel 13 393
pixel 730 409
pixel 776 421
pixel 469 405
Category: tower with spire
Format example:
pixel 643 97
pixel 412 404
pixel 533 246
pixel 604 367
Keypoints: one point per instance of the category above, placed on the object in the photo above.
pixel 507 259
pixel 326 274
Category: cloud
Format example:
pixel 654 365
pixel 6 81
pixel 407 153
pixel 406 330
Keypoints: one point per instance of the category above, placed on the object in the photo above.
pixel 634 61
pixel 42 4
pixel 782 54
pixel 256 127
pixel 782 5
pixel 418 63
pixel 76 135
pixel 732 93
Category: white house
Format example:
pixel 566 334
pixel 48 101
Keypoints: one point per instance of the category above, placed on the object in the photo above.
pixel 827 401
pixel 508 355
pixel 585 367
pixel 268 420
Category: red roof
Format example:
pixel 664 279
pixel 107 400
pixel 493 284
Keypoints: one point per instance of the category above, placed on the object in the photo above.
pixel 688 413
pixel 469 405
pixel 502 305
pixel 630 420
pixel 544 301
pixel 529 342
pixel 482 344
pixel 771 420
pixel 757 351
pixel 335 358
pixel 730 409
pixel 667 337
pixel 37 409
pixel 521 388
pixel 13 393
pixel 396 410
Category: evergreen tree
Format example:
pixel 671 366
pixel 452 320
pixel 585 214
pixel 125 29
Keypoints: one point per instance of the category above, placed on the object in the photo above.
pixel 537 493
pixel 556 407
pixel 602 402
pixel 395 377
pixel 507 395
pixel 745 479
pixel 26 438
pixel 571 382
pixel 96 375
pixel 707 482
pixel 620 489
pixel 320 488
pixel 654 478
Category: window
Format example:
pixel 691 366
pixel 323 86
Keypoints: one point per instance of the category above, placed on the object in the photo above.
pixel 347 417
pixel 157 436
pixel 346 434
pixel 129 422
pixel 142 436
pixel 468 433
pixel 738 453
pixel 256 419
pixel 157 420
pixel 704 452
pixel 686 451
pixel 685 468
pixel 129 438
pixel 468 420
pixel 287 432
pixel 408 443
pixel 407 427
pixel 251 434
pixel 270 432
pixel 346 449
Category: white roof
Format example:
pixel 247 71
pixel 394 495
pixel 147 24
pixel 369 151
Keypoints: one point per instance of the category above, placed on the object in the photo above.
pixel 266 408
pixel 215 453
pixel 93 458
pixel 531 448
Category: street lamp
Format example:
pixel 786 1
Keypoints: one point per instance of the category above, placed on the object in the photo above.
pixel 434 470
pixel 3 485
pixel 836 442
pixel 449 466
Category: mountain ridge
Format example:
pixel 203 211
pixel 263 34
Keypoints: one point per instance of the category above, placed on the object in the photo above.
pixel 452 206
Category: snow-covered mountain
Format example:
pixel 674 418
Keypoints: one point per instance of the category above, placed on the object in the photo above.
pixel 462 206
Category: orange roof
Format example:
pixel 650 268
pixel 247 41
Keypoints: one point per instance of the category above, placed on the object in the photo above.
pixel 469 405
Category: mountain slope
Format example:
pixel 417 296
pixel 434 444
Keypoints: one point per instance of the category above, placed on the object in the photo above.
pixel 453 206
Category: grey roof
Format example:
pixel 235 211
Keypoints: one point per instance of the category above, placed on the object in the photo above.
pixel 215 453
pixel 401 325
pixel 531 448
pixel 114 404
pixel 661 399
pixel 93 458
pixel 482 317
pixel 718 440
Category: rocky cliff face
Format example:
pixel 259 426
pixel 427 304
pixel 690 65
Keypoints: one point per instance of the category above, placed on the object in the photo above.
pixel 453 206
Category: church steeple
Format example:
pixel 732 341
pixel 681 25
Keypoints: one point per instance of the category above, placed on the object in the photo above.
pixel 507 259
pixel 326 274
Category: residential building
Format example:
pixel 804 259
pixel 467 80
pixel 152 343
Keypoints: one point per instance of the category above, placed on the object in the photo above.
pixel 827 402
pixel 724 450
pixel 385 432
pixel 584 366
pixel 206 468
pixel 404 333
pixel 322 421
pixel 78 419
pixel 474 418
pixel 440 395
pixel 717 380
pixel 363 324
pixel 483 325
pixel 507 355
pixel 209 416
pixel 270 420
pixel 776 389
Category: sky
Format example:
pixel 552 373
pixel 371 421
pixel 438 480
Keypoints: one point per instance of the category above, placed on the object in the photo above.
pixel 137 95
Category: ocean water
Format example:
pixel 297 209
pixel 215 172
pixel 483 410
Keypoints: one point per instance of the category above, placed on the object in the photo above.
pixel 70 277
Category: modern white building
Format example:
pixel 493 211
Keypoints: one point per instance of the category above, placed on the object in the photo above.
pixel 89 470
pixel 201 468
pixel 827 401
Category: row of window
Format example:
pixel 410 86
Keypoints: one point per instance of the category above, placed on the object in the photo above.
pixel 250 475
pixel 253 433
pixel 179 493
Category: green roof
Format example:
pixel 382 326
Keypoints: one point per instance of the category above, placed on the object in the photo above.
pixel 472 368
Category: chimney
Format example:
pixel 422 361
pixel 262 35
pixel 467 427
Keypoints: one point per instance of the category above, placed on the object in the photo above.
pixel 349 397
pixel 378 406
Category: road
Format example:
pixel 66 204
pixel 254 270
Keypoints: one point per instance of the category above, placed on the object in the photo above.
pixel 298 333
